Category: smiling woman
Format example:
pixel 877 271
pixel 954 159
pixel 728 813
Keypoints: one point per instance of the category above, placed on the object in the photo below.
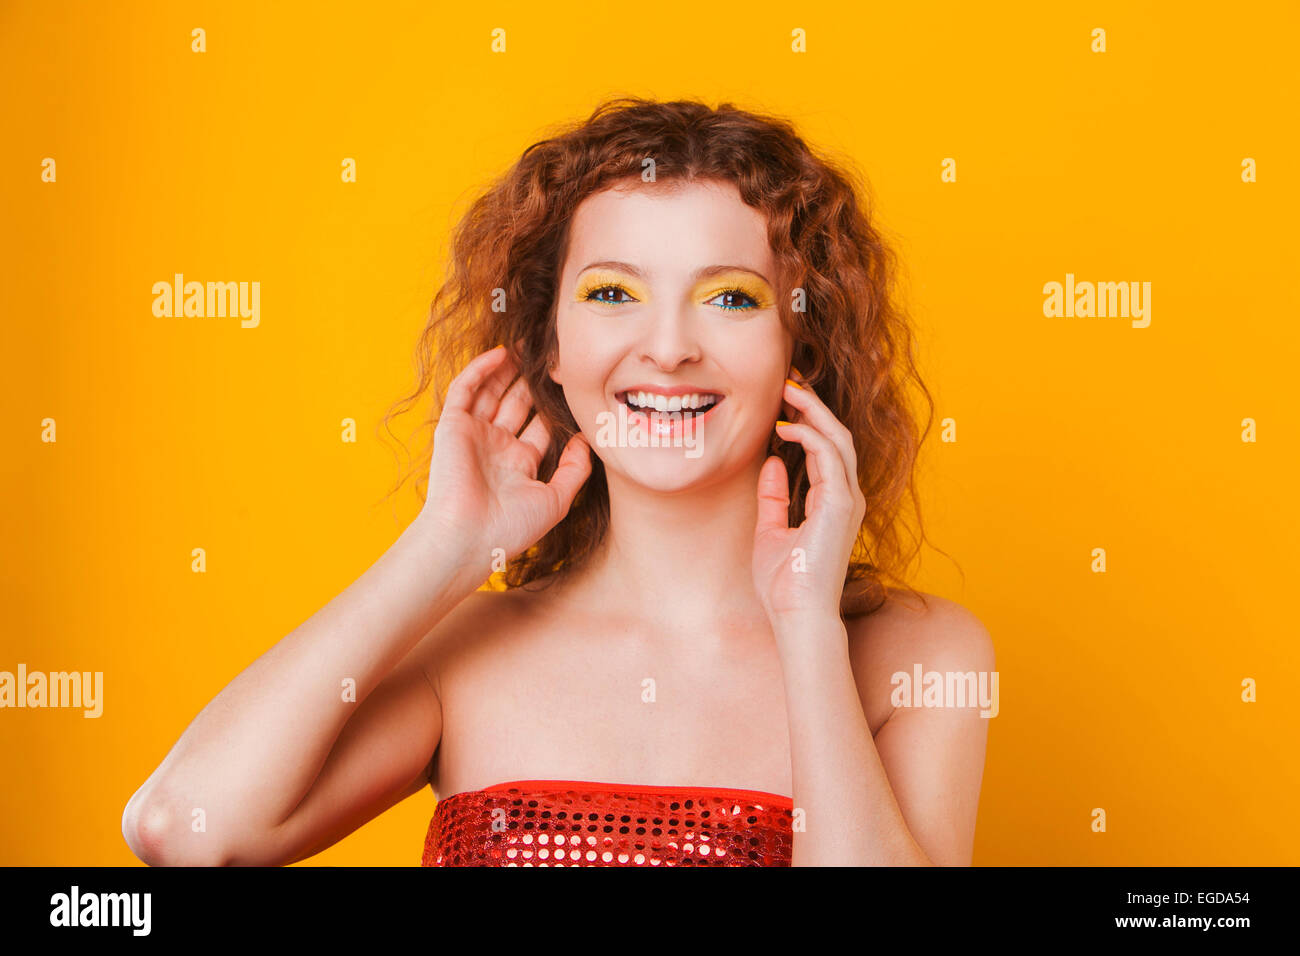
pixel 743 203
pixel 692 658
pixel 709 332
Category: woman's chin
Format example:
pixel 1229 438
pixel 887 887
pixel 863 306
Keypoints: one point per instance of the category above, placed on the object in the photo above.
pixel 663 469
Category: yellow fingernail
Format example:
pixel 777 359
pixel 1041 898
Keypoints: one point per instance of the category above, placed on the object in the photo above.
pixel 779 423
pixel 790 381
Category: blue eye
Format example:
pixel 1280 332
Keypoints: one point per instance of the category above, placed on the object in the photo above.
pixel 733 298
pixel 608 295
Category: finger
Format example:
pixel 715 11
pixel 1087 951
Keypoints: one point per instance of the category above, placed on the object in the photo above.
pixel 825 466
pixel 813 411
pixel 573 469
pixel 788 412
pixel 815 465
pixel 465 386
pixel 537 435
pixel 488 399
pixel 515 404
pixel 773 497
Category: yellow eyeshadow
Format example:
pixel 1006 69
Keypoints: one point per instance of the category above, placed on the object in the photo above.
pixel 598 280
pixel 742 282
pixel 756 289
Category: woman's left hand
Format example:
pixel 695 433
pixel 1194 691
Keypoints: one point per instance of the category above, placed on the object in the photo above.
pixel 800 571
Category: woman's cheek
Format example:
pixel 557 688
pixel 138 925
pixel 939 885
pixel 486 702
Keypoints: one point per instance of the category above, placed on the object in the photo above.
pixel 589 413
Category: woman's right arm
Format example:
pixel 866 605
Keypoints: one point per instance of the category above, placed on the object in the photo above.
pixel 283 761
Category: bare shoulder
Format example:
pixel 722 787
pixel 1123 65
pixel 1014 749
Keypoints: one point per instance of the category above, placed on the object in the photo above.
pixel 906 631
pixel 928 624
pixel 476 626
pixel 480 614
pixel 485 606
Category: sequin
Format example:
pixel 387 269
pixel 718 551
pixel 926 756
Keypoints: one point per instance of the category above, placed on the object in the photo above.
pixel 568 823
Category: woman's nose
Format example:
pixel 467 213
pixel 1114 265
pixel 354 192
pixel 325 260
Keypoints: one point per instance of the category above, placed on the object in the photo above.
pixel 671 337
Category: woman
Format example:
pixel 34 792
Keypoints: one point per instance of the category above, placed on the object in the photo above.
pixel 693 660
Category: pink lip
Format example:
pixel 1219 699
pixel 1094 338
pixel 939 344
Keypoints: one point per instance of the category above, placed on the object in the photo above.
pixel 668 424
pixel 668 390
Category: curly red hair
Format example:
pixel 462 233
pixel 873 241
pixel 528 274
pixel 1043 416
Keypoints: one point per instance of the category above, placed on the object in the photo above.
pixel 853 341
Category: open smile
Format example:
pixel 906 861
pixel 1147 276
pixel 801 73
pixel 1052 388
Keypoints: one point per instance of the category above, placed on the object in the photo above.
pixel 667 409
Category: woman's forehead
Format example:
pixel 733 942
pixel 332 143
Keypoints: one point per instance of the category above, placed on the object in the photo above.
pixel 669 226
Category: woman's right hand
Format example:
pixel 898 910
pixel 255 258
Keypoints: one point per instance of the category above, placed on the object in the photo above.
pixel 483 488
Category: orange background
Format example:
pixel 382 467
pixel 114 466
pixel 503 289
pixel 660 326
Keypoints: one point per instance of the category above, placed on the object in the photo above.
pixel 1119 690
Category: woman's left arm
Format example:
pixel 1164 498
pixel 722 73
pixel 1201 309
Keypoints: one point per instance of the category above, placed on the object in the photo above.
pixel 908 795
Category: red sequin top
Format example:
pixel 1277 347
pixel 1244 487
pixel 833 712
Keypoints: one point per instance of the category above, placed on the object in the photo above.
pixel 576 823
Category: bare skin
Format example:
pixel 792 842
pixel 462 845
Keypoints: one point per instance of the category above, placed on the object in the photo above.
pixel 758 682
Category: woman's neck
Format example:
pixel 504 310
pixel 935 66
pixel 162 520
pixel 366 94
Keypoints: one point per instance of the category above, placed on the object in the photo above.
pixel 681 560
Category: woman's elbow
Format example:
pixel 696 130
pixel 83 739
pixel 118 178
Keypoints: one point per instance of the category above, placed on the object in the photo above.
pixel 160 835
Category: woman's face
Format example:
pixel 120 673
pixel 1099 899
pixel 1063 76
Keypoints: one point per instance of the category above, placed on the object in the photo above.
pixel 672 355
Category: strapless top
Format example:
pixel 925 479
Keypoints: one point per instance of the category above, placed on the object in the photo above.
pixel 579 823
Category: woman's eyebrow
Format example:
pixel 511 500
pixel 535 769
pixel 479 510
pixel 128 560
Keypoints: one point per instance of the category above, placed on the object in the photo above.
pixel 709 271
pixel 613 264
pixel 703 273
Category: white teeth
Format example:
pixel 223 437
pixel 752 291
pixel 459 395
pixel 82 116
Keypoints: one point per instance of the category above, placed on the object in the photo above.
pixel 663 403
